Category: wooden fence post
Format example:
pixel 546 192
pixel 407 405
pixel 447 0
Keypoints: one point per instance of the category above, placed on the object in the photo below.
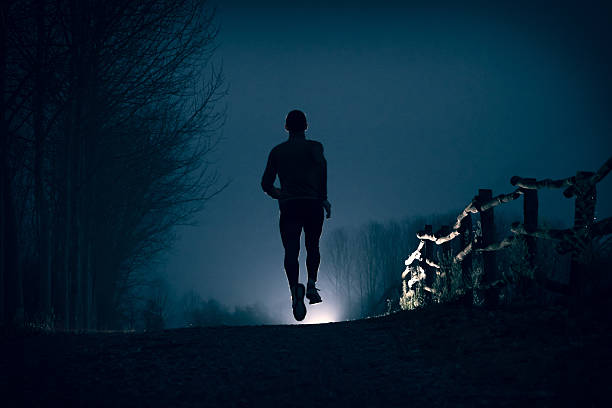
pixel 489 267
pixel 429 272
pixel 530 220
pixel 465 238
pixel 584 216
pixel 445 258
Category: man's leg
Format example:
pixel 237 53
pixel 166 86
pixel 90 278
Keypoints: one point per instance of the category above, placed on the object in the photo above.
pixel 313 226
pixel 290 230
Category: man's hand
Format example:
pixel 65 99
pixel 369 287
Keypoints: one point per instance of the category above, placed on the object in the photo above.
pixel 327 207
pixel 276 193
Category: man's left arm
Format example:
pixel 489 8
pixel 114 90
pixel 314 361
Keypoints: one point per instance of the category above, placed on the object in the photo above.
pixel 326 204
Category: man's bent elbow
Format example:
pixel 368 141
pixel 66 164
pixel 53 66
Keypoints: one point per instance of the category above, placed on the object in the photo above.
pixel 270 190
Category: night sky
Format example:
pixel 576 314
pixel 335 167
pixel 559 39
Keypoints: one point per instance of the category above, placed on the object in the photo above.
pixel 417 106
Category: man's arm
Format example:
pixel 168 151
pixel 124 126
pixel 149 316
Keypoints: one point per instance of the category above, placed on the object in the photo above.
pixel 326 204
pixel 324 178
pixel 267 181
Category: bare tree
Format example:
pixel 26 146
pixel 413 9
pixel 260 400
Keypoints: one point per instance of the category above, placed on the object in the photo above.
pixel 339 254
pixel 366 262
pixel 109 115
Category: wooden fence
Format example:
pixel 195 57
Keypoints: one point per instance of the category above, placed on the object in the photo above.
pixel 582 186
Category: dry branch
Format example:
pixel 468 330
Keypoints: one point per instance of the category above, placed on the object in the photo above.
pixel 465 252
pixel 427 261
pixel 603 227
pixel 551 234
pixel 416 255
pixel 471 208
pixel 437 240
pixel 419 276
pixel 602 172
pixel 546 183
pixel 407 271
pixel 498 245
pixel 568 183
pixel 591 181
pixel 570 239
pixel 474 206
pixel 432 263
pixel 582 184
pixel 500 199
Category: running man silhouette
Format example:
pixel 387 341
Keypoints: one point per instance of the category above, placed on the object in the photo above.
pixel 302 170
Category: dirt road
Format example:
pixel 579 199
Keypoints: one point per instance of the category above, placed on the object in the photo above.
pixel 444 356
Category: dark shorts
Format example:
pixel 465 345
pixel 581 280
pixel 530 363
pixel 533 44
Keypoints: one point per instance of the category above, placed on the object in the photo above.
pixel 297 215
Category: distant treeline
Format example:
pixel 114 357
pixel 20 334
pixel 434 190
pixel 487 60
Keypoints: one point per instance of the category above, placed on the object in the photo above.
pixel 107 122
pixel 157 309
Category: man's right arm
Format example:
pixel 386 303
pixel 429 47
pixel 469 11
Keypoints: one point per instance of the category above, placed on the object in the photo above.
pixel 267 181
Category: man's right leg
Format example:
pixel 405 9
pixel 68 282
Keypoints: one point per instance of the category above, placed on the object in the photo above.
pixel 290 230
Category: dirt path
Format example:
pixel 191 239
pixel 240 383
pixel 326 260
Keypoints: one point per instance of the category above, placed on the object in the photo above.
pixel 444 356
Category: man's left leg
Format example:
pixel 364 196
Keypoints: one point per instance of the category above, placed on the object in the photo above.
pixel 313 226
pixel 291 229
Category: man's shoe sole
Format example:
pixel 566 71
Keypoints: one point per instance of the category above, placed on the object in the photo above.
pixel 313 297
pixel 299 310
pixel 314 301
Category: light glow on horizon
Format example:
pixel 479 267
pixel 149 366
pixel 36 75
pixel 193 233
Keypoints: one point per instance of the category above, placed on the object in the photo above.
pixel 322 313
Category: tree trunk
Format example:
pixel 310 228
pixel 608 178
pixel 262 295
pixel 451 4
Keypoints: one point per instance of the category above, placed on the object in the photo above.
pixel 13 274
pixel 39 140
pixel 11 290
pixel 3 157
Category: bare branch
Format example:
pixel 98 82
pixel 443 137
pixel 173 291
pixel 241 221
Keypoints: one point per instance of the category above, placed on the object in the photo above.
pixel 602 172
pixel 470 209
pixel 498 245
pixel 546 183
pixel 437 240
pixel 500 199
pixel 416 255
pixel 464 252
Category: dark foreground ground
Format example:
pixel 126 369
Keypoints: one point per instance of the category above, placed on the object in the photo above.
pixel 445 356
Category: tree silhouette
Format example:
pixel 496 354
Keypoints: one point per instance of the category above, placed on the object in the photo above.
pixel 110 114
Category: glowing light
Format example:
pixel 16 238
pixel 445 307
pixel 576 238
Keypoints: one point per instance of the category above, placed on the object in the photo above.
pixel 321 313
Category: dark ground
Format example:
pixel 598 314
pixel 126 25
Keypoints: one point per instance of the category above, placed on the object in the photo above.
pixel 443 356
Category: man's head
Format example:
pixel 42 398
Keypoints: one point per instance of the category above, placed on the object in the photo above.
pixel 296 122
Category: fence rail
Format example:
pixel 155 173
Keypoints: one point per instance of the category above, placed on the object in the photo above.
pixel 582 186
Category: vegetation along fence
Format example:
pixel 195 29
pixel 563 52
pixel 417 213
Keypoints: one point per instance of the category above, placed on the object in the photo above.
pixel 421 268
